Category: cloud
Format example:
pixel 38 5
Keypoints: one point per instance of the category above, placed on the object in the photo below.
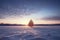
pixel 52 18
pixel 14 8
pixel 1 17
pixel 21 7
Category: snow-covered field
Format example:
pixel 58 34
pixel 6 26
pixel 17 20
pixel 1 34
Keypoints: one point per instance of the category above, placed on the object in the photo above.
pixel 28 33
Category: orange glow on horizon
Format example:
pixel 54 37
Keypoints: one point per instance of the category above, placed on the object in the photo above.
pixel 26 21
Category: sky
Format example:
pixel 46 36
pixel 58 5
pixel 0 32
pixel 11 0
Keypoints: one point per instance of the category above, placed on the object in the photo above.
pixel 21 11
